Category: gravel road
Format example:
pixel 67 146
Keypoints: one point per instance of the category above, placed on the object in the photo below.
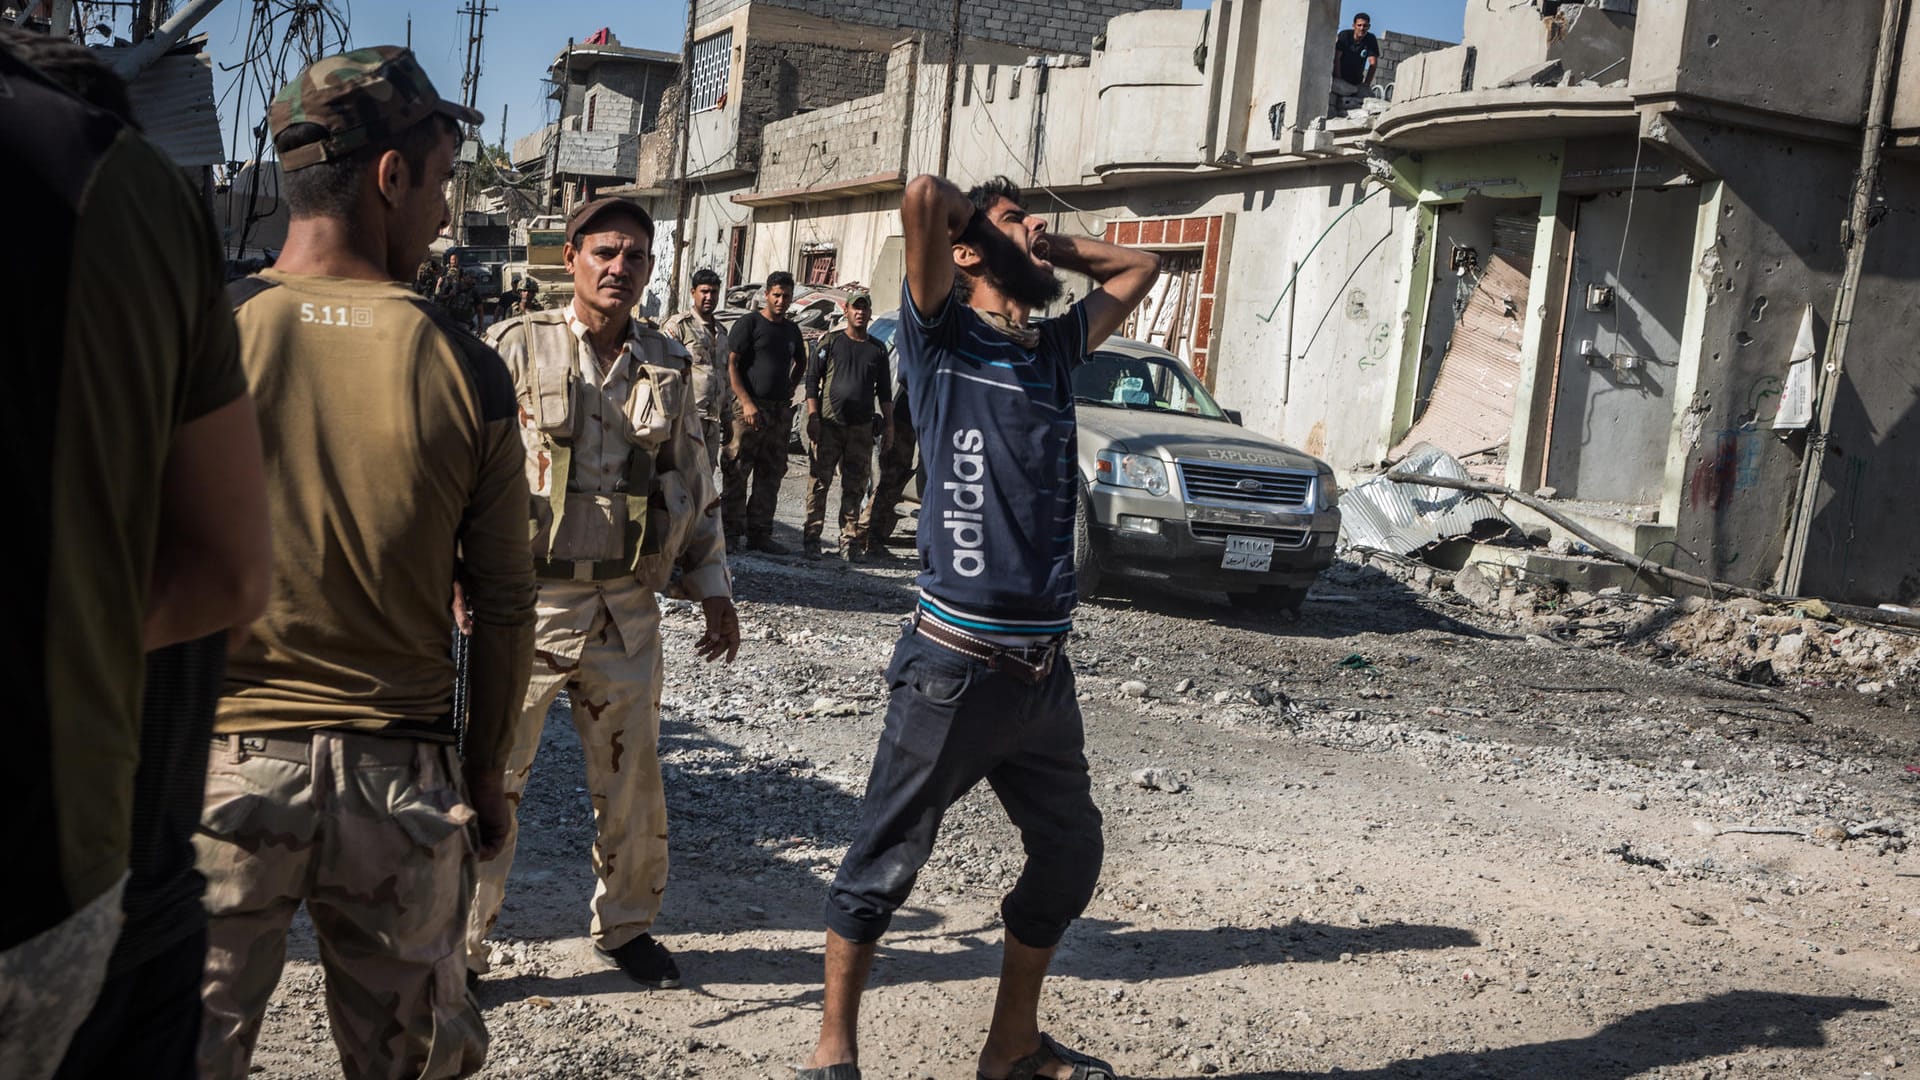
pixel 1399 837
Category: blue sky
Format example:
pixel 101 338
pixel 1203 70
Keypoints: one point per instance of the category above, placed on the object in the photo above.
pixel 524 35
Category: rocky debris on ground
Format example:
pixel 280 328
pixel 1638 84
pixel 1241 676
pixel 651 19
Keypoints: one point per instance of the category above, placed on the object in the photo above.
pixel 1802 646
pixel 1407 834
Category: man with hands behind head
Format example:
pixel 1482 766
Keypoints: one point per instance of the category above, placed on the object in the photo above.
pixel 622 495
pixel 979 688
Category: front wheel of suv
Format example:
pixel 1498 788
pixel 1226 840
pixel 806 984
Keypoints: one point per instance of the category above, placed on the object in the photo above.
pixel 1086 564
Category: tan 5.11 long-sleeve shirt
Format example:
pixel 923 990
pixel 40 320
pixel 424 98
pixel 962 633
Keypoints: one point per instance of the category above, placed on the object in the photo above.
pixel 393 468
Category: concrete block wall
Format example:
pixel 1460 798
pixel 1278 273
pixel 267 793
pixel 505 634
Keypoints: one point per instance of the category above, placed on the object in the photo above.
pixel 1396 49
pixel 838 143
pixel 864 137
pixel 782 78
pixel 601 154
pixel 627 97
pixel 1447 71
pixel 1044 25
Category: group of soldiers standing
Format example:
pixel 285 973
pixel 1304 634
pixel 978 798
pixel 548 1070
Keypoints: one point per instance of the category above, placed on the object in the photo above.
pixel 455 289
pixel 745 382
pixel 391 545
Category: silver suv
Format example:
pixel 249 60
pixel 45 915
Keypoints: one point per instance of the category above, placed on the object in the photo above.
pixel 1175 490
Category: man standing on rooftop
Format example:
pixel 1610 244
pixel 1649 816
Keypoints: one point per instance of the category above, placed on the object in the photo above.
pixel 1356 56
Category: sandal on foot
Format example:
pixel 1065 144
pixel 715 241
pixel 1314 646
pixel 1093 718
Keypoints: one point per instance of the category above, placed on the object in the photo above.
pixel 1084 1067
pixel 828 1072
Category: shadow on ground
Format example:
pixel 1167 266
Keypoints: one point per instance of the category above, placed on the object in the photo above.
pixel 1348 599
pixel 1656 1038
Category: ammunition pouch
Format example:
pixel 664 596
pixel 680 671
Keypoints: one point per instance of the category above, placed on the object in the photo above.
pixel 593 536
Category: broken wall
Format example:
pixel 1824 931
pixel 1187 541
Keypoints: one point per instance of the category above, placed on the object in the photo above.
pixel 1775 250
pixel 1590 40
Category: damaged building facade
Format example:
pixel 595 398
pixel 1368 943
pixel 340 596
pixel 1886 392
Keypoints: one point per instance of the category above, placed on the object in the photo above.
pixel 1578 250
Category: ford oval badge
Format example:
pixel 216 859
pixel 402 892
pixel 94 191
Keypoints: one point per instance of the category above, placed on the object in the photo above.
pixel 1248 485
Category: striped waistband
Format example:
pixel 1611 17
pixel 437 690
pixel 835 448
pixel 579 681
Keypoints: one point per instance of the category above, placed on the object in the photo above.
pixel 1006 631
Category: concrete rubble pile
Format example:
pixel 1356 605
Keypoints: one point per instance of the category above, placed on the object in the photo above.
pixel 1748 640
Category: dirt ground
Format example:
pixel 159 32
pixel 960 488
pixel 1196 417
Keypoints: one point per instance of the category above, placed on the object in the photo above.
pixel 1403 836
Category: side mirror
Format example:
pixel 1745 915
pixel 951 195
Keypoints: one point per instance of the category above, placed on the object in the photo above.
pixel 1233 416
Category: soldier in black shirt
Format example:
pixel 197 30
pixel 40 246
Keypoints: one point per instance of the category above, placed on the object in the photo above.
pixel 1356 55
pixel 765 355
pixel 847 378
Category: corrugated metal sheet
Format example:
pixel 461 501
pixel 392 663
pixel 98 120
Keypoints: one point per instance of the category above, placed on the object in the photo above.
pixel 1405 519
pixel 173 103
pixel 1471 408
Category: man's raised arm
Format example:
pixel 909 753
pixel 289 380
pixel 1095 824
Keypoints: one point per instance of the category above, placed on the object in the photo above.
pixel 1123 276
pixel 933 214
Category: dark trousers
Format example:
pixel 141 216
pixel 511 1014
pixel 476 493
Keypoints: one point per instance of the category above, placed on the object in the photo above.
pixel 756 456
pixel 896 471
pixel 146 1022
pixel 951 722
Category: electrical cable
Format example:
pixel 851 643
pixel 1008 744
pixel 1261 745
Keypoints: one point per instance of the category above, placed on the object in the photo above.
pixel 1633 190
pixel 1015 155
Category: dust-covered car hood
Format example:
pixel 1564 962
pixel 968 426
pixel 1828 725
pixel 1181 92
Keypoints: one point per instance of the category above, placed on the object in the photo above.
pixel 1171 435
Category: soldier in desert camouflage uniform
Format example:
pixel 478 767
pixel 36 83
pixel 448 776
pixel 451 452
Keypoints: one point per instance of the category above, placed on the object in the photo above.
pixel 706 342
pixel 394 471
pixel 622 496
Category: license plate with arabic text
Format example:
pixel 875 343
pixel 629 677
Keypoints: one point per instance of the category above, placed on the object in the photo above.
pixel 1251 553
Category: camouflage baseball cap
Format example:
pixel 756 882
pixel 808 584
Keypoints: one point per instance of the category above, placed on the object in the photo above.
pixel 858 297
pixel 361 97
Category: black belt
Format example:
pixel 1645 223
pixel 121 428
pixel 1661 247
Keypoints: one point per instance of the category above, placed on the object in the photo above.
pixel 1031 664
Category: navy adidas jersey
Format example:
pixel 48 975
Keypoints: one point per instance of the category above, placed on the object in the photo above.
pixel 996 428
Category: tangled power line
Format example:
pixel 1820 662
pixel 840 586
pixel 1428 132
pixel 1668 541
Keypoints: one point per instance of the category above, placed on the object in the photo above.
pixel 282 36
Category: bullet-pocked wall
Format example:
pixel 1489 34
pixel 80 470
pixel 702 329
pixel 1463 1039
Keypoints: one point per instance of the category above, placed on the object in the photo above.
pixel 1860 542
pixel 1777 251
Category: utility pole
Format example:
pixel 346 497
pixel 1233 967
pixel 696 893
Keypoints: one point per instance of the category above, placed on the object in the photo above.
pixel 1860 214
pixel 681 187
pixel 147 15
pixel 409 31
pixel 476 13
pixel 953 80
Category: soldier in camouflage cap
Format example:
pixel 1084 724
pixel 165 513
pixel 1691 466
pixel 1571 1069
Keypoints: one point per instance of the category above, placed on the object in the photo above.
pixel 362 98
pixel 341 778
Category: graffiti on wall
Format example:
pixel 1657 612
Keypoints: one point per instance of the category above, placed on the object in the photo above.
pixel 1734 466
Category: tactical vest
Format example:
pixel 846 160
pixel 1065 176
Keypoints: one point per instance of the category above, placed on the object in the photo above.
pixel 610 530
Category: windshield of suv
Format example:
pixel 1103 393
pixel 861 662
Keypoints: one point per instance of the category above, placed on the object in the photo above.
pixel 1150 383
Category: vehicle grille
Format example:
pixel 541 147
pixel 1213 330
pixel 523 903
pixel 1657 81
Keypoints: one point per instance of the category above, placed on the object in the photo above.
pixel 1222 483
pixel 1283 539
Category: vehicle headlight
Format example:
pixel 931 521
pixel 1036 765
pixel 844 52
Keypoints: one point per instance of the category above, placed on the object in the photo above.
pixel 1326 493
pixel 1132 471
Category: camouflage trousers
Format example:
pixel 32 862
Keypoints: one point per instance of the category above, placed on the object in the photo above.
pixel 371 833
pixel 756 456
pixel 614 688
pixel 896 472
pixel 48 983
pixel 848 450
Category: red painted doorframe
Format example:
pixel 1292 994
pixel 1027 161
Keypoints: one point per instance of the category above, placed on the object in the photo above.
pixel 1207 233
